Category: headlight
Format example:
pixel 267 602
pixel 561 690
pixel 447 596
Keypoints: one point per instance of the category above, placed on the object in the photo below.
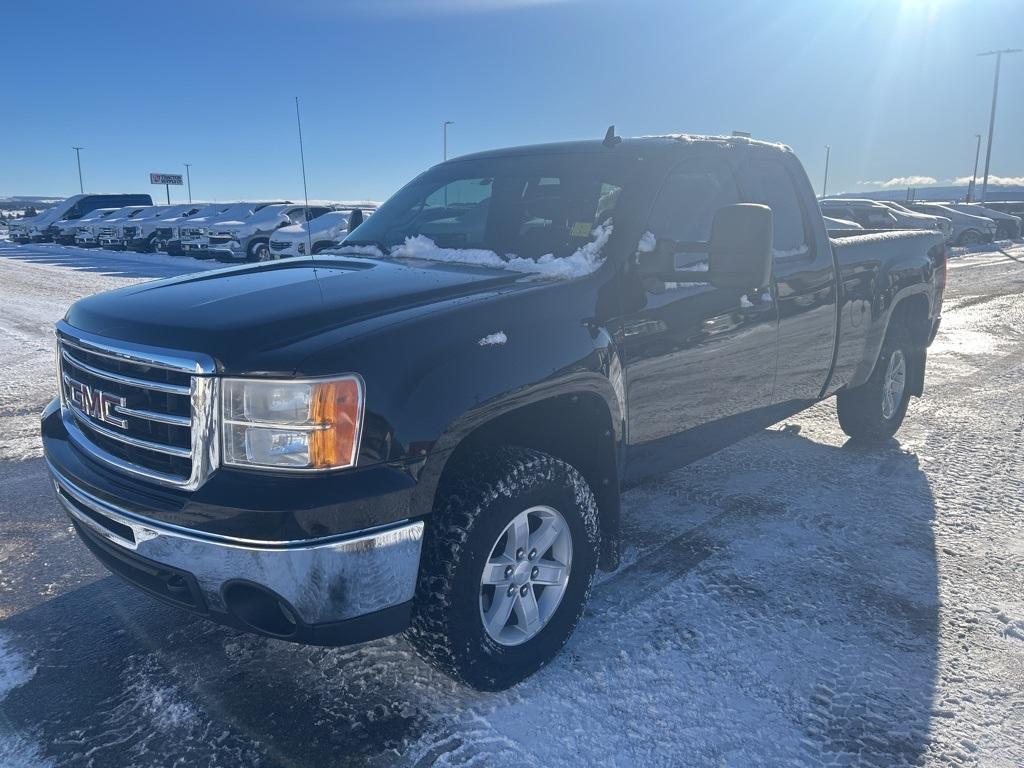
pixel 302 247
pixel 297 425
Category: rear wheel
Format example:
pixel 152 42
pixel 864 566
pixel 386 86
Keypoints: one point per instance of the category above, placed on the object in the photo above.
pixel 508 562
pixel 875 410
pixel 970 237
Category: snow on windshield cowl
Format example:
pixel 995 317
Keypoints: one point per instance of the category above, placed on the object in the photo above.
pixel 586 259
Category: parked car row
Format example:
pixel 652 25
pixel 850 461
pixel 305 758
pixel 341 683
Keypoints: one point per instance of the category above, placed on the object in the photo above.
pixel 42 227
pixel 225 231
pixel 960 223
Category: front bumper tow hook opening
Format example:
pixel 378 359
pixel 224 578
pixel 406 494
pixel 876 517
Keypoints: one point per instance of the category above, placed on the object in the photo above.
pixel 260 609
pixel 176 585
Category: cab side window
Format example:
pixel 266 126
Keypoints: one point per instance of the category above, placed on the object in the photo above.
pixel 687 203
pixel 773 186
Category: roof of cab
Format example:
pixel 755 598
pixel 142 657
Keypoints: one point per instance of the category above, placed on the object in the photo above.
pixel 634 147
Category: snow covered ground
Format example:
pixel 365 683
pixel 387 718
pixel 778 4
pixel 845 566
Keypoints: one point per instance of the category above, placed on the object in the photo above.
pixel 791 600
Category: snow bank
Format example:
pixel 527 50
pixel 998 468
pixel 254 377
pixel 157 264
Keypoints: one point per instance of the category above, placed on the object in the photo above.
pixel 586 259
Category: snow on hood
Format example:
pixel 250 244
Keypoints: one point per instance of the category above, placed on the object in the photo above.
pixel 586 259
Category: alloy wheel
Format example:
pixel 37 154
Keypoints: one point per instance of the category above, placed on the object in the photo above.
pixel 894 383
pixel 526 575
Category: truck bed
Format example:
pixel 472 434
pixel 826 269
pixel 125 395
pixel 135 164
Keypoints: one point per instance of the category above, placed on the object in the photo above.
pixel 873 266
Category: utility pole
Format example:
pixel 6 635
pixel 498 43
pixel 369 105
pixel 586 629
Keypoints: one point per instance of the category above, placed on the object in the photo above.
pixel 78 156
pixel 992 117
pixel 974 179
pixel 444 127
pixel 188 175
pixel 824 184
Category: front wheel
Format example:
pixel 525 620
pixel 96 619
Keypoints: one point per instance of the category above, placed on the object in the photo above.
pixel 875 410
pixel 508 562
pixel 260 251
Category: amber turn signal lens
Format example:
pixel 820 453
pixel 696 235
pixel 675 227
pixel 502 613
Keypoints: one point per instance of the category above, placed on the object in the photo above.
pixel 336 408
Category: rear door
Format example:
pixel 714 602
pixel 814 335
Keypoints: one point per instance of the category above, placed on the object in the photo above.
pixel 804 273
pixel 696 355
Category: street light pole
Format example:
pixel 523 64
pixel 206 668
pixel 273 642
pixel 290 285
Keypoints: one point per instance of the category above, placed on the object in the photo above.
pixel 188 175
pixel 992 117
pixel 824 184
pixel 444 127
pixel 78 156
pixel 974 179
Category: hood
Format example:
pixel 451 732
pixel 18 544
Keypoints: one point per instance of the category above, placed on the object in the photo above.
pixel 269 317
pixel 229 224
pixel 293 233
pixel 919 216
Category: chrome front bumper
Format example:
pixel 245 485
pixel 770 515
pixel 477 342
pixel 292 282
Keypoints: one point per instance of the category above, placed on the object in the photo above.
pixel 320 581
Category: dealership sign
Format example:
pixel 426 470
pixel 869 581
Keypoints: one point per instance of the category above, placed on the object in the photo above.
pixel 166 178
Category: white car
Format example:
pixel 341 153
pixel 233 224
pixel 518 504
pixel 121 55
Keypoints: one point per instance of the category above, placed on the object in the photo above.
pixel 139 233
pixel 167 236
pixel 67 229
pixel 194 234
pixel 43 228
pixel 968 229
pixel 1008 226
pixel 249 238
pixel 94 233
pixel 111 229
pixel 325 231
pixel 882 214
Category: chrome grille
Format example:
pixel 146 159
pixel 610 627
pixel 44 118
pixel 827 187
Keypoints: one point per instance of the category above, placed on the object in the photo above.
pixel 142 411
pixel 278 245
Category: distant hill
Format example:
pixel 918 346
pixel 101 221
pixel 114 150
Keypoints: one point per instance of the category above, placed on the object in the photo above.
pixel 995 192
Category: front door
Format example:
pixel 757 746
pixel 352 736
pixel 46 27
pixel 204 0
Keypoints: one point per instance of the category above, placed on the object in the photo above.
pixel 699 359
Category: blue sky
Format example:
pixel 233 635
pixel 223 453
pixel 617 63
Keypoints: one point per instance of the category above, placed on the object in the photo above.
pixel 893 85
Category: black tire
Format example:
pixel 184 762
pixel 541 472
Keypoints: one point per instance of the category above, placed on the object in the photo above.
pixel 322 246
pixel 860 409
pixel 472 512
pixel 970 237
pixel 258 247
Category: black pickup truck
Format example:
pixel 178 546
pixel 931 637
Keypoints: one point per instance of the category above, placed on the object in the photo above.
pixel 429 429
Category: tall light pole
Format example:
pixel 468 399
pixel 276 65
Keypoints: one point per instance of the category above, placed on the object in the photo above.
pixel 974 179
pixel 188 176
pixel 444 127
pixel 824 184
pixel 992 117
pixel 78 156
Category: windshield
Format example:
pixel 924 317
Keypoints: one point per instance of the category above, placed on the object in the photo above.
pixel 234 212
pixel 513 206
pixel 267 212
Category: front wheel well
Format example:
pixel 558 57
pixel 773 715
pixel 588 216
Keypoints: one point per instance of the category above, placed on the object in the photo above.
pixel 576 428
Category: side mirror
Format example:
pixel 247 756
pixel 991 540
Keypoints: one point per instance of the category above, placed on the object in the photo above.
pixel 740 248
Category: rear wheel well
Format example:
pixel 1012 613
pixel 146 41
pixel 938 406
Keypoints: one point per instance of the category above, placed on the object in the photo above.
pixel 576 428
pixel 912 314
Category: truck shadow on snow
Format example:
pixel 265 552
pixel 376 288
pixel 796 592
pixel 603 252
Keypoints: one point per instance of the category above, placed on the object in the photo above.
pixel 779 601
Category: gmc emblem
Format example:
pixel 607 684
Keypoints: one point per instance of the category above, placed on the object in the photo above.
pixel 94 402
